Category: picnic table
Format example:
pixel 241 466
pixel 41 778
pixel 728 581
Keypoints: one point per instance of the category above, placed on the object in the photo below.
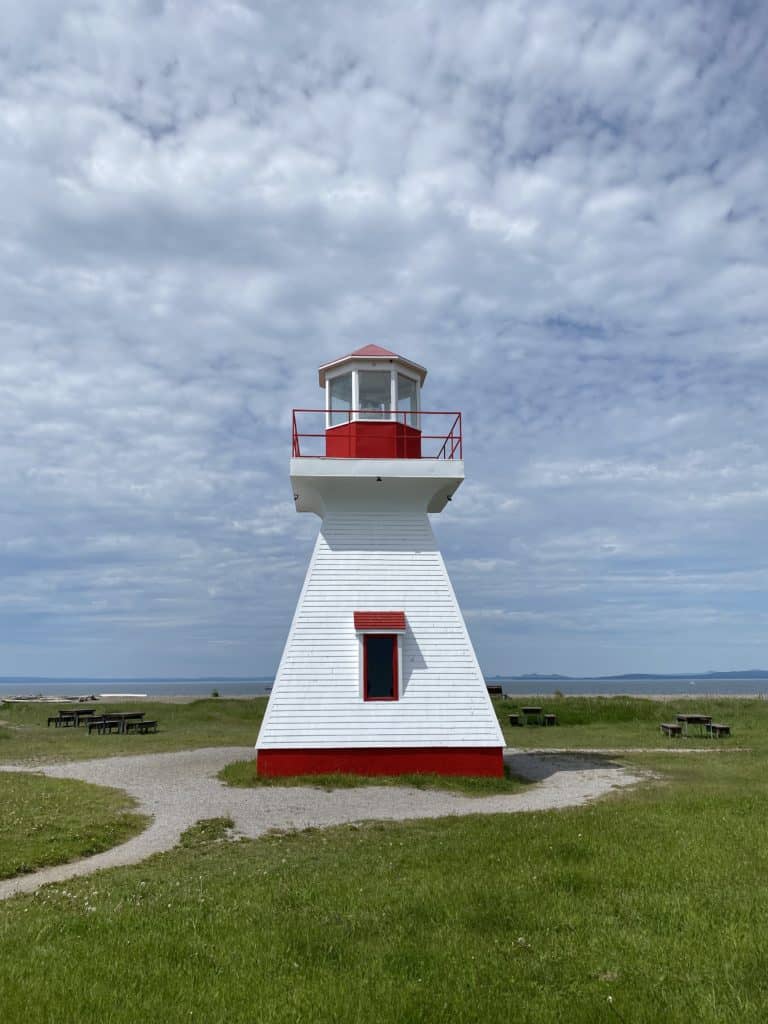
pixel 124 717
pixel 81 714
pixel 115 721
pixel 532 715
pixel 701 721
pixel 62 719
pixel 70 716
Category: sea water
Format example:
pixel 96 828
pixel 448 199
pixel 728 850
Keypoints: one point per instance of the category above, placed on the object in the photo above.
pixel 255 687
pixel 259 686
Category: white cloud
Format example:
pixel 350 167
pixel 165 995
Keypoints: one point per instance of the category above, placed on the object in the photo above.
pixel 558 208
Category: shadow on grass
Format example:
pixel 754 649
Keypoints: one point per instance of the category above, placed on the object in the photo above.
pixel 535 767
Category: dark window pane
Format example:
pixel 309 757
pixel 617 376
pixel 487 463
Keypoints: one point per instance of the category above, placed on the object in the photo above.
pixel 379 665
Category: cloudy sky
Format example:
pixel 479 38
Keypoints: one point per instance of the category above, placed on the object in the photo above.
pixel 557 206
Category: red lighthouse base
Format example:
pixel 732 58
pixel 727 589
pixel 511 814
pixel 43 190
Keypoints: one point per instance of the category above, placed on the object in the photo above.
pixel 487 761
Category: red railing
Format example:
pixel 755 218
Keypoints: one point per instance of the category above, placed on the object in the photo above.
pixel 444 442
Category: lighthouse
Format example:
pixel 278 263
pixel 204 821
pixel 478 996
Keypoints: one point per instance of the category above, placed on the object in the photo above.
pixel 378 675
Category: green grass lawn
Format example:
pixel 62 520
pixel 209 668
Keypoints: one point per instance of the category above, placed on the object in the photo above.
pixel 25 737
pixel 50 821
pixel 654 899
pixel 616 722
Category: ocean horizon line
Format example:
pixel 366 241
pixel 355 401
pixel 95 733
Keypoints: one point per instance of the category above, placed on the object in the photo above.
pixel 202 687
pixel 526 677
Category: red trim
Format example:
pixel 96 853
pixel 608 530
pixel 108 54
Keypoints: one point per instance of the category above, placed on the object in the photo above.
pixel 379 620
pixel 395 681
pixel 383 761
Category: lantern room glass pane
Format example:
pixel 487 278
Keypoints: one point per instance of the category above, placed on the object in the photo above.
pixel 375 394
pixel 341 398
pixel 407 400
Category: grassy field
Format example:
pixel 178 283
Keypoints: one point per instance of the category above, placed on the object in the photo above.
pixel 657 901
pixel 600 722
pixel 26 738
pixel 616 722
pixel 51 821
pixel 647 906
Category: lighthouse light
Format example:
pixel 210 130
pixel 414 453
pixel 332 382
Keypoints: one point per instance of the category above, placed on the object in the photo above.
pixel 375 394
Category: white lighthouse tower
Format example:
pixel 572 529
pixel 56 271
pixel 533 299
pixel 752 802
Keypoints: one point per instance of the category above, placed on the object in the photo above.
pixel 378 675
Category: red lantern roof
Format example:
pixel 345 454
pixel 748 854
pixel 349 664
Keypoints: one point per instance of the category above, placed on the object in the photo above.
pixel 374 350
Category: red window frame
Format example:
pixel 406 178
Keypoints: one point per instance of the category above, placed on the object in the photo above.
pixel 395 673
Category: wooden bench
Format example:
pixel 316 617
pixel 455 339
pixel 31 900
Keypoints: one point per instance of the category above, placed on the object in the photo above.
pixel 515 720
pixel 672 728
pixel 494 690
pixel 63 718
pixel 102 724
pixel 136 725
pixel 717 729
pixel 550 719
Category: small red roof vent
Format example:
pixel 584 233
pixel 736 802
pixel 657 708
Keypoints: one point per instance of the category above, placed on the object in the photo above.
pixel 367 621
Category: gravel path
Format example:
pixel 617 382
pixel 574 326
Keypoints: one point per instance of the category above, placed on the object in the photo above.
pixel 179 789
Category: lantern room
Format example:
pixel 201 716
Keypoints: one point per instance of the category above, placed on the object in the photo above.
pixel 372 405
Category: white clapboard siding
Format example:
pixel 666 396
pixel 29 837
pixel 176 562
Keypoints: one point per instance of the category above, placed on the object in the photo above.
pixel 378 561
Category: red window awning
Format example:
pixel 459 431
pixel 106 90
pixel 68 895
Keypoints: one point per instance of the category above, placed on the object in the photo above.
pixel 365 622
